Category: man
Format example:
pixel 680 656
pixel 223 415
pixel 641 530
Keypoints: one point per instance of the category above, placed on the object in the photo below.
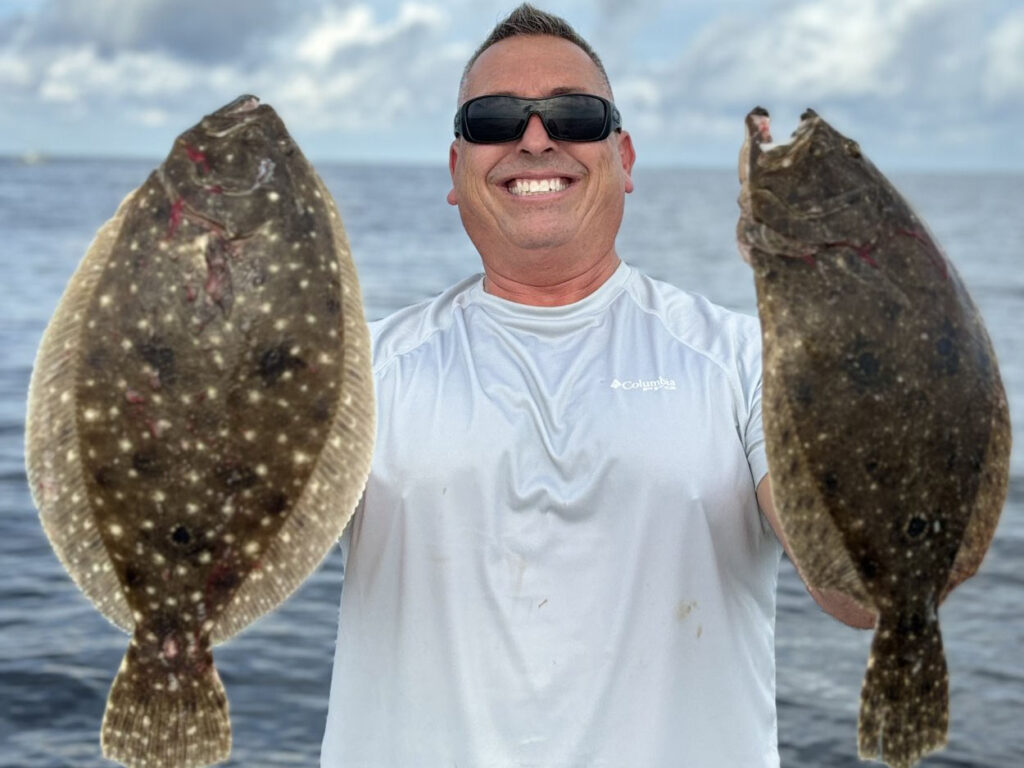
pixel 559 559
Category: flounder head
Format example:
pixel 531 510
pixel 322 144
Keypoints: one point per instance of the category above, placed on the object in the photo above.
pixel 228 168
pixel 814 190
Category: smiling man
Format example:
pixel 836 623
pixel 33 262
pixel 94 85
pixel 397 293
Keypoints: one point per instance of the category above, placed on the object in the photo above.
pixel 560 558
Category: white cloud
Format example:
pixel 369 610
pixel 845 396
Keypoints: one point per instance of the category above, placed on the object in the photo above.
pixel 15 72
pixel 356 27
pixel 151 117
pixel 341 67
pixel 939 73
pixel 1004 67
pixel 904 72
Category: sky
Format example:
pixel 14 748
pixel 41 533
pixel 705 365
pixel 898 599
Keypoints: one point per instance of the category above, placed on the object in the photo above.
pixel 920 84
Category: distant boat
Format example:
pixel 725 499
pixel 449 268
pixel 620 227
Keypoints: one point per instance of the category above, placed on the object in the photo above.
pixel 33 158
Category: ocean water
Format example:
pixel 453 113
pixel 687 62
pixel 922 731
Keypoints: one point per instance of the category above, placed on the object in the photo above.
pixel 58 655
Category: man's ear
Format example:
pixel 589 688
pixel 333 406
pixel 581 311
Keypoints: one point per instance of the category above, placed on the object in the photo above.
pixel 628 156
pixel 453 159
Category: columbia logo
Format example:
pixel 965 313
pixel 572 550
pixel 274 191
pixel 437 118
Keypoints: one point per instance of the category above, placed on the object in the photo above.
pixel 644 385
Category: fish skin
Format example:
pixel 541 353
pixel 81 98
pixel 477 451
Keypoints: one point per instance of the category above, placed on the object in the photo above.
pixel 200 418
pixel 886 423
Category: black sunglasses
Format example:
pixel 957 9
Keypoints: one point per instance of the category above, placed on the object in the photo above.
pixel 568 117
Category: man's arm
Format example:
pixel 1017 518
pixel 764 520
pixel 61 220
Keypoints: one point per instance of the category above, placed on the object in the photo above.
pixel 836 604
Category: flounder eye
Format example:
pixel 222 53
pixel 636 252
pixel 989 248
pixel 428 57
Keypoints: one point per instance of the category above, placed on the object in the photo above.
pixel 852 149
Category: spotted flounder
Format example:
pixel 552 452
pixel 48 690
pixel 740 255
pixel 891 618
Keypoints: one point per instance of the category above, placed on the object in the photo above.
pixel 885 419
pixel 200 417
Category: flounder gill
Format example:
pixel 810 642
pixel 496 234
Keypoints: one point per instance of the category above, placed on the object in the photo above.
pixel 201 418
pixel 885 419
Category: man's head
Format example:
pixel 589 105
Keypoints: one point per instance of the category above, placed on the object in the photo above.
pixel 568 226
pixel 527 20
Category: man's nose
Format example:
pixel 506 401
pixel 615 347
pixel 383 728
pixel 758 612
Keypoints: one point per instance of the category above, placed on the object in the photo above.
pixel 535 138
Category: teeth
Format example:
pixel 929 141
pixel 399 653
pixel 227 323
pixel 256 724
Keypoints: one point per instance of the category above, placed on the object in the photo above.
pixel 536 186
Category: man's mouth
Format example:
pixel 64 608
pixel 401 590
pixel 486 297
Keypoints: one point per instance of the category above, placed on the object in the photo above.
pixel 537 186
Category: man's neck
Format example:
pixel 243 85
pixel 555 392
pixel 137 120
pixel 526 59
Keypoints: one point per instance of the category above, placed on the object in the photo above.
pixel 550 291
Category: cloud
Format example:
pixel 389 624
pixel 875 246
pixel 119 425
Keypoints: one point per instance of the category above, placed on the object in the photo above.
pixel 917 75
pixel 333 65
pixel 901 71
pixel 1004 64
pixel 200 30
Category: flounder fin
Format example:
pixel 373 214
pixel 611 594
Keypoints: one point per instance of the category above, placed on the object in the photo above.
pixel 183 725
pixel 904 704
pixel 53 459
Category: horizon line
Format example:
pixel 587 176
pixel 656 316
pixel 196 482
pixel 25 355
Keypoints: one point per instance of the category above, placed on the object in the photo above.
pixel 35 157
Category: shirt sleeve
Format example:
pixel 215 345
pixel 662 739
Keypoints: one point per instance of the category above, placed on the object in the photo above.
pixel 750 375
pixel 753 437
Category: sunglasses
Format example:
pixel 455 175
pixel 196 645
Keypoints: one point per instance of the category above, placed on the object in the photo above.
pixel 569 117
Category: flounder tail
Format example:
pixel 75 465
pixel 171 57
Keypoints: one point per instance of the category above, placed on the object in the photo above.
pixel 170 723
pixel 904 703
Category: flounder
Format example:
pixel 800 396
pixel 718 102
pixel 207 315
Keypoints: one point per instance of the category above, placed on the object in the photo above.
pixel 885 420
pixel 200 417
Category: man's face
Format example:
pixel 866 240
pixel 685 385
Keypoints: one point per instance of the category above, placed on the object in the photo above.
pixel 582 218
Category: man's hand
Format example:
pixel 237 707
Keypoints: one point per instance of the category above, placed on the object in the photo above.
pixel 837 604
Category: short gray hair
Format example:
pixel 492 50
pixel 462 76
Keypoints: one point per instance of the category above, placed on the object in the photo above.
pixel 527 20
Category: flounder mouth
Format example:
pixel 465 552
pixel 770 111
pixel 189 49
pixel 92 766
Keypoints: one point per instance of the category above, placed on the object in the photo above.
pixel 759 130
pixel 231 117
pixel 244 103
pixel 760 149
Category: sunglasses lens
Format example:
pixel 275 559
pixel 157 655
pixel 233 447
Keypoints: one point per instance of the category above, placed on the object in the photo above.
pixel 494 119
pixel 572 117
pixel 575 117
